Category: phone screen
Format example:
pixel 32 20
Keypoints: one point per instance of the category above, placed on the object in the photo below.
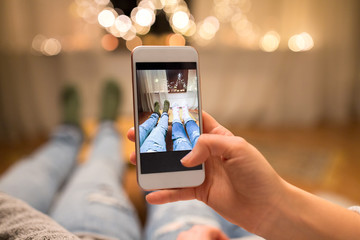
pixel 168 114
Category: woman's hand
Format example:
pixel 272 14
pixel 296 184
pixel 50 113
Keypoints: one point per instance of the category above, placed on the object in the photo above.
pixel 242 187
pixel 240 184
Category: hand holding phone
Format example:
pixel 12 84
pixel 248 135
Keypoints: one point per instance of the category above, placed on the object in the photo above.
pixel 167 115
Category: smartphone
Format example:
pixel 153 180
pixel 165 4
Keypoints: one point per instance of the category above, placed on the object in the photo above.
pixel 167 115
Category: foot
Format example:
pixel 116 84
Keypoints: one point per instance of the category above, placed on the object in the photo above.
pixel 71 106
pixel 110 101
pixel 157 108
pixel 185 113
pixel 176 114
pixel 166 106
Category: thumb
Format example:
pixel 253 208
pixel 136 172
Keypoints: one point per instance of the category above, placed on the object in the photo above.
pixel 213 145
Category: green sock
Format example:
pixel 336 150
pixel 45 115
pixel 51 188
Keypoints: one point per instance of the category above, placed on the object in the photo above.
pixel 110 101
pixel 166 106
pixel 157 108
pixel 71 106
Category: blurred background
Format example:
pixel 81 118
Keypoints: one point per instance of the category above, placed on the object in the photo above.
pixel 283 74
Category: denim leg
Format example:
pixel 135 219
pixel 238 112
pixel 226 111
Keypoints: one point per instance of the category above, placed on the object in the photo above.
pixel 93 200
pixel 179 137
pixel 147 126
pixel 165 222
pixel 37 178
pixel 193 131
pixel 155 142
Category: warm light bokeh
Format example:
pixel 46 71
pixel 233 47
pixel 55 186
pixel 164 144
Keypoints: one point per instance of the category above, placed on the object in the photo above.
pixel 109 42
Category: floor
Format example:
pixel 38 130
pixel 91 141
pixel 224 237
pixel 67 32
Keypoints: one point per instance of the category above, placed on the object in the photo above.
pixel 323 160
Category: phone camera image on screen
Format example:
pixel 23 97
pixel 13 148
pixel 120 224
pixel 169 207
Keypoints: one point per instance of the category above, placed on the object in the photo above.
pixel 168 114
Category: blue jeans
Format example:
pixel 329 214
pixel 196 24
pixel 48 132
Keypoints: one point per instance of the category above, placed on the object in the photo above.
pixel 193 131
pixel 37 178
pixel 179 137
pixel 155 142
pixel 147 126
pixel 165 222
pixel 93 200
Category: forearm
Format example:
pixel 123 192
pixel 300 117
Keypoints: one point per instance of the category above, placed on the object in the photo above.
pixel 301 215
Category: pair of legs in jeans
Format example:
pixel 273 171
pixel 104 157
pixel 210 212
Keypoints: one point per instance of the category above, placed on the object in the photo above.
pixel 153 131
pixel 89 198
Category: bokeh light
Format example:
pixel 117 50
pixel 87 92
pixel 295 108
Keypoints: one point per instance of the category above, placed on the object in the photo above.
pixel 141 30
pixel 180 19
pixel 144 16
pixel 190 30
pixel 270 41
pixel 133 43
pixel 223 11
pixel 51 47
pixel 209 27
pixel 123 23
pixel 114 31
pixel 301 42
pixel 130 34
pixel 102 2
pixel 37 42
pixel 106 18
pixel 148 4
pixel 170 6
pixel 109 42
pixel 176 40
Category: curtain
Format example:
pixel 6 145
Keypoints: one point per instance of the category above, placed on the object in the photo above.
pixel 152 85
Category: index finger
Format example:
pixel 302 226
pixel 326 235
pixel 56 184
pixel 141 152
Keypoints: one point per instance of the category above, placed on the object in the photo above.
pixel 131 134
pixel 213 145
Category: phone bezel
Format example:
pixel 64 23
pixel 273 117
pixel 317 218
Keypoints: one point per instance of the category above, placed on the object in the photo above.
pixel 151 181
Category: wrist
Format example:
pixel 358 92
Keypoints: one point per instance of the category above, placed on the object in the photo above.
pixel 281 215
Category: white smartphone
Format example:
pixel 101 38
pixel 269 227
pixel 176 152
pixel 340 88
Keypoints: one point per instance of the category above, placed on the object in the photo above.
pixel 167 115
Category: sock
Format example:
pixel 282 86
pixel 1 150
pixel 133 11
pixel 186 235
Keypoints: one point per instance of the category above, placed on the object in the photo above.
pixel 110 101
pixel 71 106
pixel 176 115
pixel 185 114
pixel 166 106
pixel 157 108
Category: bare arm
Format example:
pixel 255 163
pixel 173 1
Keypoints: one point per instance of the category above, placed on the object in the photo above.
pixel 243 187
pixel 301 215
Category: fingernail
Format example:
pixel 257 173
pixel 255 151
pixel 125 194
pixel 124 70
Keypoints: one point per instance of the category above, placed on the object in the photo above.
pixel 186 159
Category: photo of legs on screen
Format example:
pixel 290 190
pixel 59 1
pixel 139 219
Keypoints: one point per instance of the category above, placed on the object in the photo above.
pixel 168 110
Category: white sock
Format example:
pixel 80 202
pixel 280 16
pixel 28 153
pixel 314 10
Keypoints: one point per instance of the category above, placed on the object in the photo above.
pixel 185 114
pixel 176 115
